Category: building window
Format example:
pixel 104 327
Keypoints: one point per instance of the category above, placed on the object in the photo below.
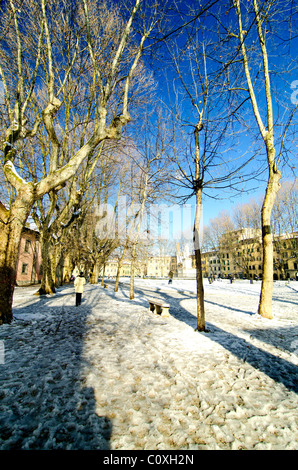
pixel 27 246
pixel 24 268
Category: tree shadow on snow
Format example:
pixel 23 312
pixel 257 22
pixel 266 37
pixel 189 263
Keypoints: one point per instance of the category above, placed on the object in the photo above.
pixel 278 369
pixel 283 338
pixel 273 366
pixel 247 312
pixel 44 402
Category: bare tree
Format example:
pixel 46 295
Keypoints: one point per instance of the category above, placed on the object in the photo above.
pixel 248 215
pixel 255 25
pixel 148 184
pixel 285 211
pixel 23 69
pixel 208 161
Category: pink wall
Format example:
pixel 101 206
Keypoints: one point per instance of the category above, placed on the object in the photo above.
pixel 29 262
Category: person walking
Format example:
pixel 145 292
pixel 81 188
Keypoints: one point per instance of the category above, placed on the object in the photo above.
pixel 79 283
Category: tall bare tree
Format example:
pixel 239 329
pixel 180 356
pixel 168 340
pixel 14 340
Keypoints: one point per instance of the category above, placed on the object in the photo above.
pixel 207 160
pixel 29 58
pixel 256 24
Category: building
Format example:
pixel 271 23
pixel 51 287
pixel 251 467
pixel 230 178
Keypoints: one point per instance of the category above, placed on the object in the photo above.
pixel 240 255
pixel 211 266
pixel 111 267
pixel 285 256
pixel 161 266
pixel 154 266
pixel 29 269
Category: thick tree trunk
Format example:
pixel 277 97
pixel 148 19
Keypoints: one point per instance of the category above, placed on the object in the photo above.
pixel 12 223
pixel 265 304
pixel 9 242
pixel 47 281
pixel 199 274
pixel 103 274
pixel 67 269
pixel 57 267
pixel 95 273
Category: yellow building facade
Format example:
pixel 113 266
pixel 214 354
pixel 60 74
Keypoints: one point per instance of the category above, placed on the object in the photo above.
pixel 155 266
pixel 238 256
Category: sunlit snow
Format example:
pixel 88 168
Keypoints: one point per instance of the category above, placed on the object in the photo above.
pixel 110 374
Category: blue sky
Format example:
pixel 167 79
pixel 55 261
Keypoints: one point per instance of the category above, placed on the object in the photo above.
pixel 283 75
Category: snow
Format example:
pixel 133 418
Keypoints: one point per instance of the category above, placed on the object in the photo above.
pixel 110 374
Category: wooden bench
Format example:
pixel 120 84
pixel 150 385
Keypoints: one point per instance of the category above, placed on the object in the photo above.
pixel 159 306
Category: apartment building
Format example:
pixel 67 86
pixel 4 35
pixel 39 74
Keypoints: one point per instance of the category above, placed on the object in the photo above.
pixel 240 255
pixel 285 255
pixel 211 266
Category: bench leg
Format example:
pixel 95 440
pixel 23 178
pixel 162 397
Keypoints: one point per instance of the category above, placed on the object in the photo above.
pixel 165 312
pixel 158 309
pixel 151 307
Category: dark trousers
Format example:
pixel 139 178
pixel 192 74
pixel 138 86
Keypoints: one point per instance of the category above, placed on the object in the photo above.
pixel 78 298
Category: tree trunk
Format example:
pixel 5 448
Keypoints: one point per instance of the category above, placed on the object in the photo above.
pixel 47 281
pixel 196 235
pixel 199 274
pixel 57 269
pixel 118 275
pixel 95 273
pixel 132 274
pixel 67 269
pixel 12 223
pixel 103 274
pixel 120 262
pixel 267 133
pixel 9 242
pixel 265 304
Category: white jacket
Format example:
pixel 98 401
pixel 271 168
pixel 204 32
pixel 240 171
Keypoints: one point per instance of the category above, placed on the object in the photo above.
pixel 79 284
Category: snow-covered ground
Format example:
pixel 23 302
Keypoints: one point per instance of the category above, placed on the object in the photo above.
pixel 110 374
